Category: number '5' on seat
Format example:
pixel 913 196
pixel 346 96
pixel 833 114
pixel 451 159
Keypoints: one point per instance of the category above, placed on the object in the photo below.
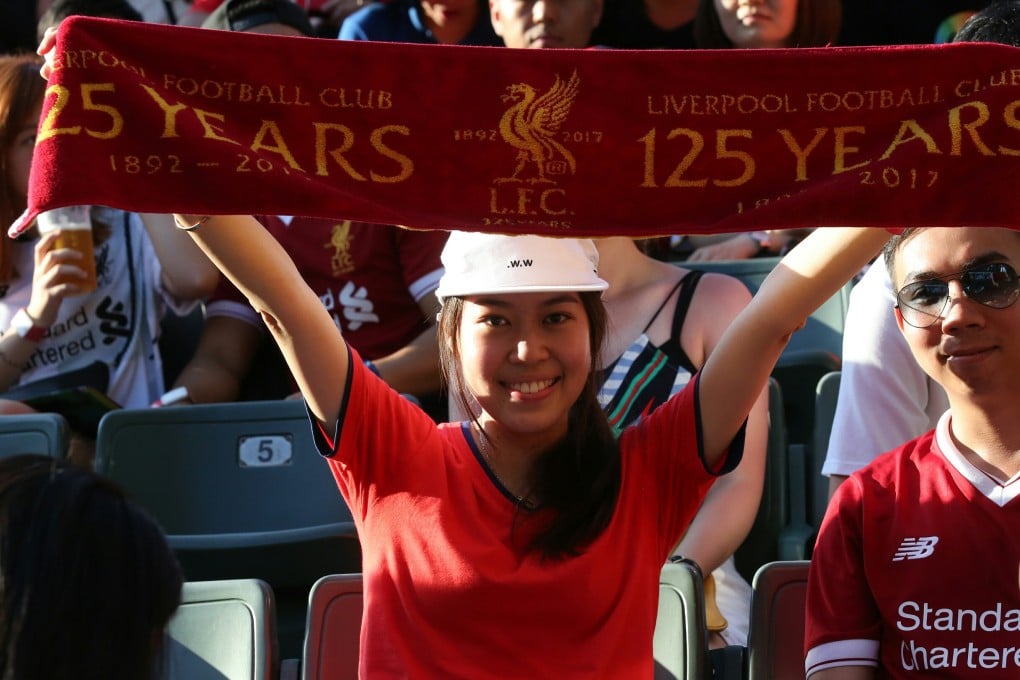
pixel 239 489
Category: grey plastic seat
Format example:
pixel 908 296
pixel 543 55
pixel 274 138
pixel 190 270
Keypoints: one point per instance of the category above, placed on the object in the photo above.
pixel 241 493
pixel 239 489
pixel 43 433
pixel 680 644
pixel 771 523
pixel 827 392
pixel 799 374
pixel 223 630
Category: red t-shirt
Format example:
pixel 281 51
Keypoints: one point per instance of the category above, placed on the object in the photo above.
pixel 448 590
pixel 915 568
pixel 369 276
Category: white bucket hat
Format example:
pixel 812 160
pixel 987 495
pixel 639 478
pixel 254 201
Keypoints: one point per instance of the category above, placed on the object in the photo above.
pixel 478 263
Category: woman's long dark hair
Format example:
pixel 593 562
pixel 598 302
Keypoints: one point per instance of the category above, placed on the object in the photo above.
pixel 87 580
pixel 579 477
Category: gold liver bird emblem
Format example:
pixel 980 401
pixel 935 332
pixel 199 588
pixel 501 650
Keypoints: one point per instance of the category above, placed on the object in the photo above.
pixel 531 125
pixel 340 242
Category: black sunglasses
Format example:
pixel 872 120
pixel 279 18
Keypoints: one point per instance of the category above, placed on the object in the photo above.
pixel 922 303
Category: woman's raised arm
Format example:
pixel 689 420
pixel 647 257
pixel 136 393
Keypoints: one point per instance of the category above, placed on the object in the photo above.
pixel 260 268
pixel 738 369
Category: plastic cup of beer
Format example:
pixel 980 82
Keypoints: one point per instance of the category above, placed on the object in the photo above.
pixel 74 225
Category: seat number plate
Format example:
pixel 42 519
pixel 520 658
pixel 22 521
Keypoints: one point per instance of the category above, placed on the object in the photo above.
pixel 264 451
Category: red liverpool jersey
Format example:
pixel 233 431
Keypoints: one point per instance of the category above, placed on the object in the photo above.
pixel 369 276
pixel 916 568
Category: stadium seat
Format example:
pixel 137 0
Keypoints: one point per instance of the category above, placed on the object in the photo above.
pixel 241 493
pixel 237 487
pixel 223 630
pixel 825 412
pixel 798 374
pixel 797 539
pixel 44 433
pixel 333 631
pixel 680 645
pixel 762 543
pixel 776 634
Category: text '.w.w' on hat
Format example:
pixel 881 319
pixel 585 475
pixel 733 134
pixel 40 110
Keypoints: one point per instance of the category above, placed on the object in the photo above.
pixel 478 263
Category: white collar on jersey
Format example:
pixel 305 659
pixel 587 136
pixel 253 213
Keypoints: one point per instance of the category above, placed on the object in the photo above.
pixel 993 489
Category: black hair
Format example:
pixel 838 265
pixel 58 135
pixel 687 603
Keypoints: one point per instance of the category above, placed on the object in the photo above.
pixel 817 25
pixel 892 246
pixel 87 580
pixel 108 9
pixel 997 23
pixel 579 477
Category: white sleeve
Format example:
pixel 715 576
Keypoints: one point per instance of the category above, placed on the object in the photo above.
pixel 885 398
pixel 234 310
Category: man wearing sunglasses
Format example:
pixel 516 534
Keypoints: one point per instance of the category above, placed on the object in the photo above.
pixel 915 571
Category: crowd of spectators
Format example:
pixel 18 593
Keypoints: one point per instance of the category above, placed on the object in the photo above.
pixel 629 24
pixel 379 284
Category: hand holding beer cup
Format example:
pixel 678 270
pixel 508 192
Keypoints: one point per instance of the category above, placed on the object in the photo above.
pixel 72 227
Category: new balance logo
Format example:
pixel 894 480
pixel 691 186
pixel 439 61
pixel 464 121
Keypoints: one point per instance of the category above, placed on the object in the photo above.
pixel 915 548
pixel 520 263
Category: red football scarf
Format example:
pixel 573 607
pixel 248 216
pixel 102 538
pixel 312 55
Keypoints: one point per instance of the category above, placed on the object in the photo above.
pixel 581 142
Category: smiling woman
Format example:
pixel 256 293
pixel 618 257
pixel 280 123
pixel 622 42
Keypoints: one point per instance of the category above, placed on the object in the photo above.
pixel 525 361
pixel 532 509
pixel 521 327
